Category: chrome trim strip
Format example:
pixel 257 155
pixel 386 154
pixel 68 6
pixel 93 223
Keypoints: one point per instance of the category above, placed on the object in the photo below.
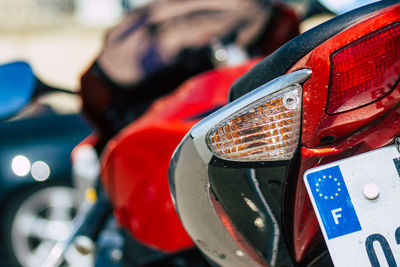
pixel 277 233
pixel 237 236
pixel 266 89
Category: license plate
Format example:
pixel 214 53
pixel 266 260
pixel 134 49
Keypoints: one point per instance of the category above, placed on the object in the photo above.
pixel 357 203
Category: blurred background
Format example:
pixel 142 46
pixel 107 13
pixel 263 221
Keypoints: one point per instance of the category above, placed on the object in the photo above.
pixel 59 38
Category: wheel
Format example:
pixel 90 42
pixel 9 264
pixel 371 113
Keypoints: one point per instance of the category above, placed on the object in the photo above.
pixel 36 220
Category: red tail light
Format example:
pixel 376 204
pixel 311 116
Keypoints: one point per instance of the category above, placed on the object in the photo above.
pixel 365 70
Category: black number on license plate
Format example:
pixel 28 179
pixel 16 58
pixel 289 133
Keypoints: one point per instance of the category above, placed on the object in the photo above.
pixel 387 251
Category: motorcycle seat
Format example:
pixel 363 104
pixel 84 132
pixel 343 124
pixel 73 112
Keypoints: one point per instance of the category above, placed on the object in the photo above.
pixel 279 62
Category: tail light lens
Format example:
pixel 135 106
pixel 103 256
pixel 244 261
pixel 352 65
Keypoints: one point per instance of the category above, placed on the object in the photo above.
pixel 266 130
pixel 365 70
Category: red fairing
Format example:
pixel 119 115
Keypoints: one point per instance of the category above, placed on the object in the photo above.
pixel 347 125
pixel 135 162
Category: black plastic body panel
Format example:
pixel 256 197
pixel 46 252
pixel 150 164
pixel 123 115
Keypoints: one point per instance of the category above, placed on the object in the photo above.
pixel 251 196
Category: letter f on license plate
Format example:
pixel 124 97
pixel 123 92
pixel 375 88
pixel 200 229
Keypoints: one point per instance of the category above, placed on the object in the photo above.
pixel 357 204
pixel 333 202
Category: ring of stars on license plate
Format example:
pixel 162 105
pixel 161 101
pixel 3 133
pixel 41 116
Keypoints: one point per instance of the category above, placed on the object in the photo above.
pixel 328 179
pixel 357 206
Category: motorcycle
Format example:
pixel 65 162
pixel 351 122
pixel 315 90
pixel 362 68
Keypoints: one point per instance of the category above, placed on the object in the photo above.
pixel 115 104
pixel 299 168
pixel 35 164
pixel 153 243
pixel 136 188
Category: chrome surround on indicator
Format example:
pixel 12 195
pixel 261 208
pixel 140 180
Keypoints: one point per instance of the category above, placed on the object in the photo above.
pixel 190 187
pixel 296 123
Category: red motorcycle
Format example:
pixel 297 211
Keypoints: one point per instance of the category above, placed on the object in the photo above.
pixel 138 189
pixel 311 109
pixel 133 185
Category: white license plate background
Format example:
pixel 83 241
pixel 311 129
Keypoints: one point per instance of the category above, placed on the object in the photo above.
pixel 376 217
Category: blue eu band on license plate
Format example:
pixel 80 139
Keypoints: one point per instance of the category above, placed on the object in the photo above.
pixel 360 229
pixel 333 202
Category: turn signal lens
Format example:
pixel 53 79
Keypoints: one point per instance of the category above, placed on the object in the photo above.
pixel 265 130
pixel 365 71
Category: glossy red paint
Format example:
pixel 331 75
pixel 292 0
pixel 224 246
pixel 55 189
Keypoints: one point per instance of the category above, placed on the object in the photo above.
pixel 317 124
pixel 327 138
pixel 135 162
pixel 305 226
